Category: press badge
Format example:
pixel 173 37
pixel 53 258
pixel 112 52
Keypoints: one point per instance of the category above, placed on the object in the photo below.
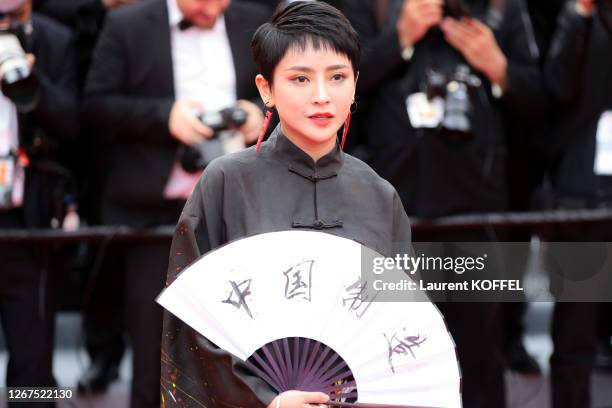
pixel 603 146
pixel 424 113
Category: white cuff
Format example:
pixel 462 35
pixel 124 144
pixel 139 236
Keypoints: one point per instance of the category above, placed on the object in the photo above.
pixel 407 53
pixel 497 91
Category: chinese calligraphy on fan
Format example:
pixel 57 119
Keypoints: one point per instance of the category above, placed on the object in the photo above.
pixel 356 298
pixel 238 295
pixel 402 344
pixel 298 283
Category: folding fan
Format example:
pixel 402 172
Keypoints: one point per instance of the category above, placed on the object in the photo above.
pixel 293 304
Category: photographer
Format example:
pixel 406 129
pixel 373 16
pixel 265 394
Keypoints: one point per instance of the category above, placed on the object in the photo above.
pixel 579 81
pixel 159 65
pixel 442 79
pixel 104 342
pixel 37 112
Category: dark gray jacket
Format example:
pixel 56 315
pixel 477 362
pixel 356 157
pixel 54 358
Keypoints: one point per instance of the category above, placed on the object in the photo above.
pixel 248 193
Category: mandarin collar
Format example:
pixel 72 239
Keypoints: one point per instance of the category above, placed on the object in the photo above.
pixel 299 162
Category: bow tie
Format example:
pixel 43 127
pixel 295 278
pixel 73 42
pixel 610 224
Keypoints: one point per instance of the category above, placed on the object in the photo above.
pixel 184 24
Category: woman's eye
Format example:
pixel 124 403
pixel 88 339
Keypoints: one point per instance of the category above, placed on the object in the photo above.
pixel 300 79
pixel 338 77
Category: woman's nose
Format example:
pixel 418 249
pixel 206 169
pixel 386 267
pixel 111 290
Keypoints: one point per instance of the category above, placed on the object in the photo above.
pixel 321 93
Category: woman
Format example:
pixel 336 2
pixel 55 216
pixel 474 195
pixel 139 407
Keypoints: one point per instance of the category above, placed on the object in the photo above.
pixel 308 57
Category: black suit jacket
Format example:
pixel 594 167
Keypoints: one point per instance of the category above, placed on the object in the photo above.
pixel 434 175
pixel 128 95
pixel 85 18
pixel 578 75
pixel 53 121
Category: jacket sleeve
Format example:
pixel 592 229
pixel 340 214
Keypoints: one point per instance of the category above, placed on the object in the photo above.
pixel 381 47
pixel 57 110
pixel 195 372
pixel 402 232
pixel 108 107
pixel 524 98
pixel 567 54
pixel 65 11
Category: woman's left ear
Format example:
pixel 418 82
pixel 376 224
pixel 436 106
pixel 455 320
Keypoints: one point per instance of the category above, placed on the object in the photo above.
pixel 263 86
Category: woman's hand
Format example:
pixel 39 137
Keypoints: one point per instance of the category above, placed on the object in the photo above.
pixel 299 399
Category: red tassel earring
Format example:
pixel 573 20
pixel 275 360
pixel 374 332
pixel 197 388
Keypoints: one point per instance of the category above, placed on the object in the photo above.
pixel 264 129
pixel 347 123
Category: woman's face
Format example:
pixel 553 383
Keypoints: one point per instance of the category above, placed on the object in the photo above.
pixel 312 92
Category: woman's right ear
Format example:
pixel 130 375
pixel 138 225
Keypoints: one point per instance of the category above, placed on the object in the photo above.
pixel 264 91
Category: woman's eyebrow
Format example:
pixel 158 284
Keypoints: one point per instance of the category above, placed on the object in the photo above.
pixel 308 69
pixel 300 68
pixel 335 67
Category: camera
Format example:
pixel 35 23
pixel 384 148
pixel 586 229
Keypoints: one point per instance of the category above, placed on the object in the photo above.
pixel 604 10
pixel 196 157
pixel 17 81
pixel 455 90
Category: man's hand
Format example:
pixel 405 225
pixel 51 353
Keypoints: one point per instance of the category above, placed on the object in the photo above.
pixel 184 125
pixel 477 43
pixel 251 129
pixel 111 4
pixel 417 17
pixel 585 7
pixel 299 399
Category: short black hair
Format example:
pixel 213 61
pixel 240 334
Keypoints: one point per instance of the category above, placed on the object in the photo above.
pixel 301 23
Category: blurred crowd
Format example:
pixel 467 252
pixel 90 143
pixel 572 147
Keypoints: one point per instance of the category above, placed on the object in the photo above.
pixel 111 109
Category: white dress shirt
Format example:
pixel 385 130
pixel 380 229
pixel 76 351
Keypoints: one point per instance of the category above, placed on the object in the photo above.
pixel 204 71
pixel 202 62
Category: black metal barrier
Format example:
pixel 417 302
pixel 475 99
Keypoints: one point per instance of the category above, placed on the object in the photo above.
pixel 525 221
